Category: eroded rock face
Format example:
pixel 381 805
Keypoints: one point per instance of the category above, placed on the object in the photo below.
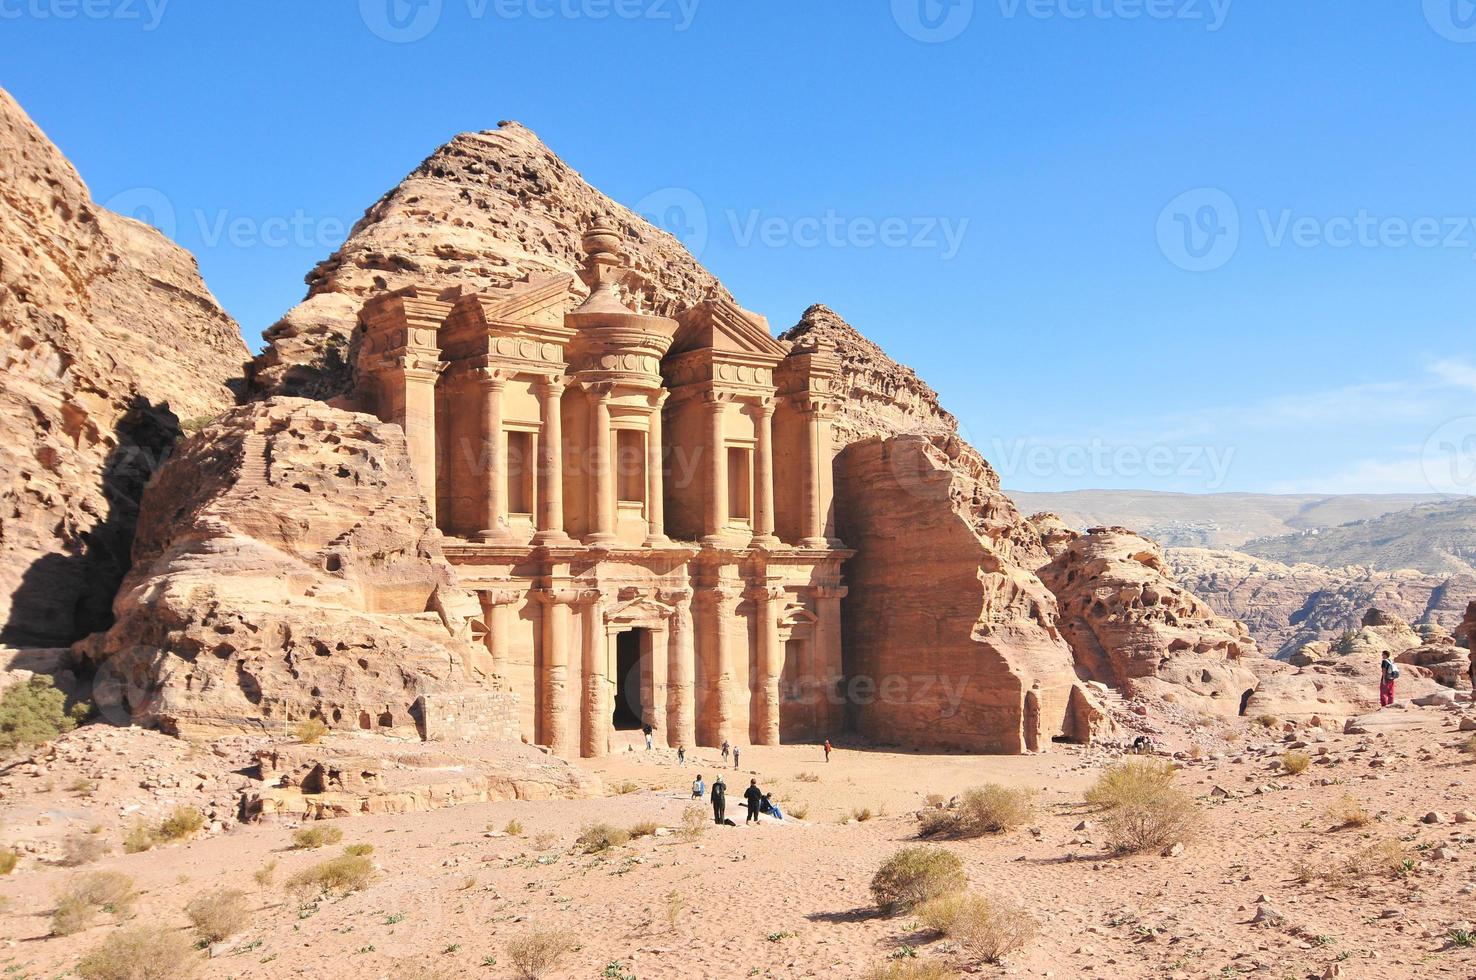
pixel 484 210
pixel 285 566
pixel 1132 627
pixel 1289 606
pixel 958 638
pixel 108 340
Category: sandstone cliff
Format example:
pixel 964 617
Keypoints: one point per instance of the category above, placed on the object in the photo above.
pixel 1289 606
pixel 285 566
pixel 108 338
pixel 1130 625
pixel 484 210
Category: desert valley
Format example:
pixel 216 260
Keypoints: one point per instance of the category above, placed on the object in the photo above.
pixel 395 648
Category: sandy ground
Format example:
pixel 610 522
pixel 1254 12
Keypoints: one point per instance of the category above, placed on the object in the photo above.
pixel 792 899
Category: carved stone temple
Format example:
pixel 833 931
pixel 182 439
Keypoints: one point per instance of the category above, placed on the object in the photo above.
pixel 644 505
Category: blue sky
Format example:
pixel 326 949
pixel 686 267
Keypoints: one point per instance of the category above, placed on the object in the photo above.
pixel 1169 244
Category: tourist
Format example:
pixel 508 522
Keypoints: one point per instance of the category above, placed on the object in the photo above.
pixel 698 789
pixel 725 751
pixel 681 755
pixel 755 798
pixel 719 800
pixel 647 731
pixel 735 757
pixel 827 750
pixel 771 808
pixel 1388 674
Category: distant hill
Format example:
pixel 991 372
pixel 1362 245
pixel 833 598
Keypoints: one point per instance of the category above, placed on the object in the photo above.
pixel 1436 538
pixel 1223 520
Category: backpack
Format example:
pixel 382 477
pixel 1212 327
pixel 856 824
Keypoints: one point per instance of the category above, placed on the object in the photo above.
pixel 1393 672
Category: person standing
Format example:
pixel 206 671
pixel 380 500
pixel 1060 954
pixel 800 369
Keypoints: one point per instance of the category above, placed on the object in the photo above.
pixel 827 750
pixel 735 757
pixel 754 797
pixel 681 755
pixel 719 800
pixel 725 752
pixel 1388 674
pixel 647 731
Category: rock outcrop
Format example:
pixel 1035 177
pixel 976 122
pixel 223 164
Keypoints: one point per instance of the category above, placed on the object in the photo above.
pixel 286 566
pixel 108 340
pixel 1289 606
pixel 1132 627
pixel 484 210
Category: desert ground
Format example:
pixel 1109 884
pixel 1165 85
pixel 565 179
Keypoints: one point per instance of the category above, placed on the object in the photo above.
pixel 452 887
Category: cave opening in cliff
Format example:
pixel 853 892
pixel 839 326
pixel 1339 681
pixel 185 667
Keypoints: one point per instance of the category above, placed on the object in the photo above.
pixel 628 705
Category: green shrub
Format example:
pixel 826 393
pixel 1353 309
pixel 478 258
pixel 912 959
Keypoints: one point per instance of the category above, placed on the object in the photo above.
pixel 138 837
pixel 34 713
pixel 348 873
pixel 310 731
pixel 359 850
pixel 311 838
pixel 1130 782
pixel 183 823
pixel 990 809
pixel 646 828
pixel 141 953
pixel 915 875
pixel 989 929
pixel 598 837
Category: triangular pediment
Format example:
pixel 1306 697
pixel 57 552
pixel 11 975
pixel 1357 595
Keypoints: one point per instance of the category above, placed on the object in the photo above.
pixel 538 299
pixel 725 327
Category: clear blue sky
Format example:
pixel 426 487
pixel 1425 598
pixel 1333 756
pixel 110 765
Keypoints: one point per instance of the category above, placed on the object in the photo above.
pixel 1051 138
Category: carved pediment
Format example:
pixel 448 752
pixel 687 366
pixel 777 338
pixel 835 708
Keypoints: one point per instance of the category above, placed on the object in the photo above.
pixel 641 610
pixel 724 327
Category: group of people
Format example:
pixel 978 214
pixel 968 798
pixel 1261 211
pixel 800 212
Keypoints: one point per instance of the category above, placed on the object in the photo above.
pixel 755 799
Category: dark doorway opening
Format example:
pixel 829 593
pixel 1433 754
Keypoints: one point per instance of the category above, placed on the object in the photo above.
pixel 628 680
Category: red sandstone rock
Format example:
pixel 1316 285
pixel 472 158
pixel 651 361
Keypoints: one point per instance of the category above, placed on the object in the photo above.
pixel 108 338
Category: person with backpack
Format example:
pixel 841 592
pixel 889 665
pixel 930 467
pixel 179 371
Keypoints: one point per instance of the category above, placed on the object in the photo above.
pixel 698 788
pixel 719 800
pixel 1388 674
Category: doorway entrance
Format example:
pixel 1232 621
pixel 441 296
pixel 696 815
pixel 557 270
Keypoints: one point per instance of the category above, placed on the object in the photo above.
pixel 628 705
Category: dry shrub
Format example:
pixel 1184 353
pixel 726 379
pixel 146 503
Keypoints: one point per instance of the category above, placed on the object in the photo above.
pixel 800 811
pixel 994 809
pixel 625 788
pixel 807 777
pixel 8 861
pixel 310 731
pixel 1382 859
pixel 676 902
pixel 219 914
pixel 646 828
pixel 141 953
pixel 348 873
pixel 597 837
pixel 99 891
pixel 1296 762
pixel 138 837
pixel 82 786
pixel 537 952
pixel 913 970
pixel 183 823
pixel 936 799
pixel 311 838
pixel 990 929
pixel 1348 812
pixel 1469 746
pixel 694 823
pixel 79 849
pixel 861 814
pixel 1163 819
pixel 1130 782
pixel 513 829
pixel 545 840
pixel 265 874
pixel 915 875
pixel 1267 721
pixel 359 850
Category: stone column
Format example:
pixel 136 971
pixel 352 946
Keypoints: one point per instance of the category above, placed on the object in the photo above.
pixel 497 612
pixel 595 707
pixel 552 688
pixel 825 470
pixel 493 459
pixel 681 716
pixel 654 656
pixel 829 714
pixel 655 485
pixel 763 475
pixel 420 430
pixel 551 464
pixel 602 480
pixel 719 718
pixel 715 494
pixel 767 603
pixel 812 525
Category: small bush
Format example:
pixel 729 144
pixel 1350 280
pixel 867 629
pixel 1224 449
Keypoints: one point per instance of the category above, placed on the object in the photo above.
pixel 808 777
pixel 8 861
pixel 1130 782
pixel 1161 820
pixel 265 874
pixel 994 809
pixel 359 850
pixel 646 828
pixel 988 929
pixel 183 823
pixel 1267 721
pixel 597 837
pixel 936 799
pixel 1382 859
pixel 537 953
pixel 82 786
pixel 913 970
pixel 141 953
pixel 311 838
pixel 800 811
pixel 310 731
pixel 1296 762
pixel 861 814
pixel 99 891
pixel 694 823
pixel 1469 746
pixel 79 849
pixel 1348 812
pixel 348 873
pixel 219 914
pixel 34 713
pixel 138 837
pixel 545 840
pixel 915 875
pixel 675 903
pixel 625 788
pixel 513 829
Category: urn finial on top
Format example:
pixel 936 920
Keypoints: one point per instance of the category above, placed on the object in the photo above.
pixel 605 267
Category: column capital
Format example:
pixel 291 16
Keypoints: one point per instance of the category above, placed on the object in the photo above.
pixel 719 593
pixel 552 384
pixel 493 378
pixel 759 408
pixel 599 390
pixel 658 398
pixel 557 597
pixel 498 596
pixel 832 591
pixel 674 597
pixel 765 593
